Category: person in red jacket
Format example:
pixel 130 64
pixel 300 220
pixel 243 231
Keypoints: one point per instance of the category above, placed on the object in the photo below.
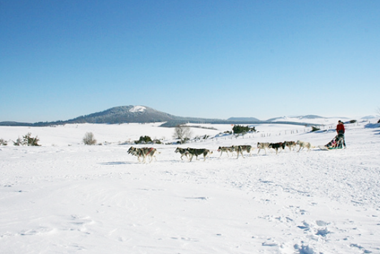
pixel 341 130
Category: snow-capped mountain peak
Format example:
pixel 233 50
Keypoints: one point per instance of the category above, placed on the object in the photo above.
pixel 137 109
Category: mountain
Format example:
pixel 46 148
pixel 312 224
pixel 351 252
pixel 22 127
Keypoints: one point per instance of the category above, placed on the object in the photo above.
pixel 369 117
pixel 125 114
pixel 9 123
pixel 243 119
pixel 143 114
pixel 284 118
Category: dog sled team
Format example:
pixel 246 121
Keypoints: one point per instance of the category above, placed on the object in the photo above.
pixel 337 142
pixel 149 152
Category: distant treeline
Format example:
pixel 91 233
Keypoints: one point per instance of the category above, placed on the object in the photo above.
pixel 171 123
pixel 179 122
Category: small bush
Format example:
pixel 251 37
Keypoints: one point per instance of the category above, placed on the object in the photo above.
pixel 27 140
pixel 89 139
pixel 18 142
pixel 144 140
pixel 314 128
pixel 3 142
pixel 242 129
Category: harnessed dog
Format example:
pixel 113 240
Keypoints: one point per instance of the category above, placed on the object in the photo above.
pixel 240 149
pixel 277 146
pixel 143 153
pixel 303 145
pixel 290 144
pixel 262 146
pixel 196 152
pixel 225 149
pixel 183 152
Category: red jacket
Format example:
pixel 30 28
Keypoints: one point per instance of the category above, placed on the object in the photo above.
pixel 340 128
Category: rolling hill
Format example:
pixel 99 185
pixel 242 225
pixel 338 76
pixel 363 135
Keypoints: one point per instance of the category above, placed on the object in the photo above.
pixel 144 114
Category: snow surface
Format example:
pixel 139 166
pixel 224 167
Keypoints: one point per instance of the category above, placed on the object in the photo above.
pixel 137 109
pixel 65 197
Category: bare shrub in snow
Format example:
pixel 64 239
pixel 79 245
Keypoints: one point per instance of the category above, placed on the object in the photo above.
pixel 89 139
pixel 182 133
pixel 18 142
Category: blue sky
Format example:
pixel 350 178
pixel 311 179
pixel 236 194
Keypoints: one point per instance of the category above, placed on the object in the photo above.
pixel 198 58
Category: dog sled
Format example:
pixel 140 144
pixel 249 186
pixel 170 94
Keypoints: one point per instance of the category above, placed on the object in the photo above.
pixel 336 143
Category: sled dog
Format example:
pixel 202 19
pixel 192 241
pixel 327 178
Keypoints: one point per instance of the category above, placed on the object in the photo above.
pixel 262 146
pixel 290 144
pixel 240 149
pixel 303 145
pixel 183 152
pixel 225 149
pixel 197 151
pixel 143 153
pixel 277 146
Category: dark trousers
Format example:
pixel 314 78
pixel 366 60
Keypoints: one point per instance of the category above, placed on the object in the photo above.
pixel 341 135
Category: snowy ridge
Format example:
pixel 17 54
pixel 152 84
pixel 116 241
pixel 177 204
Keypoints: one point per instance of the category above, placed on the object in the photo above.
pixel 61 198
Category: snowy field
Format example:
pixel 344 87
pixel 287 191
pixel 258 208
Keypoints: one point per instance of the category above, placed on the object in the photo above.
pixel 65 197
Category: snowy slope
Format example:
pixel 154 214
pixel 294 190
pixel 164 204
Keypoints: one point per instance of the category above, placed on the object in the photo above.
pixel 64 197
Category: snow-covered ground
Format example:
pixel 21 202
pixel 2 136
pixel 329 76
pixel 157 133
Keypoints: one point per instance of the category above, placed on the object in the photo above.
pixel 65 197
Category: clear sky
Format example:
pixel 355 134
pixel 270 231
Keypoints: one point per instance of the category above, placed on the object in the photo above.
pixel 195 58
